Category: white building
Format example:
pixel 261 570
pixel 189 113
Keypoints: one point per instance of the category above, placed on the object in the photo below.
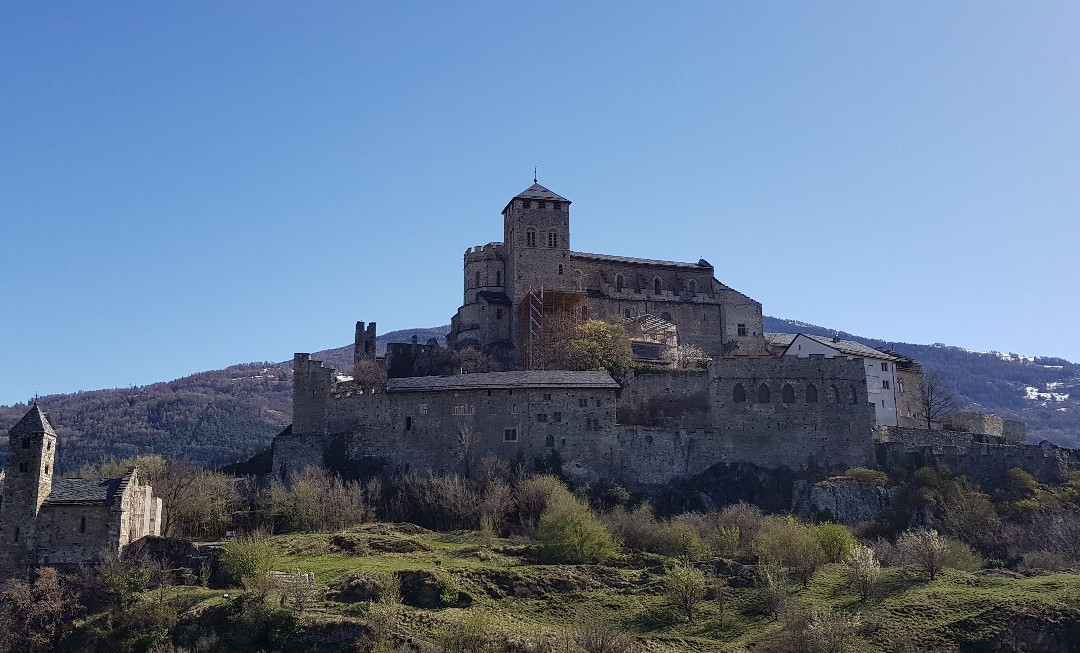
pixel 880 366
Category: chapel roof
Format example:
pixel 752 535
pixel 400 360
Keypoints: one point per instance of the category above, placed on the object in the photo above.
pixel 702 264
pixel 503 380
pixel 33 422
pixel 83 491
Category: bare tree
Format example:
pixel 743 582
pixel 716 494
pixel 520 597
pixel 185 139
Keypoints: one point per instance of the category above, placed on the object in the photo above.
pixel 937 399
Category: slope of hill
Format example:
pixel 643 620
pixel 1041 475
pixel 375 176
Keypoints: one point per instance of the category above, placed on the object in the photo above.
pixel 221 416
pixel 214 417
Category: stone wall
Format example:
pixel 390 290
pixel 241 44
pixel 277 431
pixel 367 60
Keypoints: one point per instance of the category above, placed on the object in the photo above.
pixel 63 542
pixel 983 458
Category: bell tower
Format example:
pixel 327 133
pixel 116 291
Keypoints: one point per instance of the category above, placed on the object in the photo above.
pixel 27 484
pixel 536 237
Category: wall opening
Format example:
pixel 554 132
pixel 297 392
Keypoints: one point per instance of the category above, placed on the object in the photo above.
pixel 788 394
pixel 834 395
pixel 657 286
pixel 763 394
pixel 618 283
pixel 811 394
pixel 738 394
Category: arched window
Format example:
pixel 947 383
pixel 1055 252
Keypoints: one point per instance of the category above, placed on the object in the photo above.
pixel 498 277
pixel 553 239
pixel 763 395
pixel 738 395
pixel 811 394
pixel 852 397
pixel 789 394
pixel 549 442
pixel 530 237
pixel 618 283
pixel 665 316
pixel 693 287
pixel 834 395
pixel 627 313
pixel 657 285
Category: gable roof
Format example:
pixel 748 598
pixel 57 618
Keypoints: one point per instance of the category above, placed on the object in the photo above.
pixel 32 423
pixel 84 491
pixel 702 264
pixel 847 347
pixel 501 380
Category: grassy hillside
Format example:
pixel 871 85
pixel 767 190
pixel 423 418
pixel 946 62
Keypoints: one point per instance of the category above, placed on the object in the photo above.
pixel 462 585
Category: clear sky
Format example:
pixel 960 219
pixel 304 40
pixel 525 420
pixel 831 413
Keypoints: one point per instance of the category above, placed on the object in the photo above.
pixel 189 185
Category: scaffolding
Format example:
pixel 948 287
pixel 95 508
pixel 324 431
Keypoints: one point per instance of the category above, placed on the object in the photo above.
pixel 547 318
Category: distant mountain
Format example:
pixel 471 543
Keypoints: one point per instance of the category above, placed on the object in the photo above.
pixel 214 417
pixel 222 416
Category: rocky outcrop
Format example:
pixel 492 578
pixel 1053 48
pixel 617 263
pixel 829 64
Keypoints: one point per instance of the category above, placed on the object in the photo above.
pixel 844 500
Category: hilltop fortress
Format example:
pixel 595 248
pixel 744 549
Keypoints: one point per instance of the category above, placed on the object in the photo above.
pixel 794 401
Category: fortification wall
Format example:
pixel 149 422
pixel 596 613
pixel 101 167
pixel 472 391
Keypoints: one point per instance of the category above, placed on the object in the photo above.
pixel 982 462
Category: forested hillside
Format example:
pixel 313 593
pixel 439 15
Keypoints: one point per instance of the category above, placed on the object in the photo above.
pixel 222 416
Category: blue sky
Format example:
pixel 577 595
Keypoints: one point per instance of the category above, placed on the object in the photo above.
pixel 189 185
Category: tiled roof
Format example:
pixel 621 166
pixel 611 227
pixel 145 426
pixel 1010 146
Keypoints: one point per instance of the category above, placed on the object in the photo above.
pixel 83 491
pixel 32 422
pixel 499 380
pixel 701 264
pixel 845 347
pixel 492 297
pixel 538 192
pixel 779 339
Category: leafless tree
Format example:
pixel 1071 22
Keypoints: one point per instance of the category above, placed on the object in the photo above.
pixel 937 399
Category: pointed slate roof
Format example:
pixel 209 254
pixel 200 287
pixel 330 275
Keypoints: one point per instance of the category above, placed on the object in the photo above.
pixel 538 192
pixel 32 422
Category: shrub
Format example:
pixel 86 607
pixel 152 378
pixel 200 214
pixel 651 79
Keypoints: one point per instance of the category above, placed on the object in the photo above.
pixel 772 589
pixel 745 517
pixel 531 496
pixel 806 556
pixel 925 549
pixel 835 540
pixel 684 590
pixel 960 556
pixel 569 533
pixel 34 615
pixel 786 542
pixel 594 635
pixel 868 476
pixel 249 560
pixel 863 571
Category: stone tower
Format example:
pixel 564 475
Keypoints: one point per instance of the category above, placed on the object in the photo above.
pixel 364 345
pixel 27 484
pixel 536 236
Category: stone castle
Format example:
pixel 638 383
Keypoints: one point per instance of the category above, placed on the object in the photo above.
pixel 64 521
pixel 791 401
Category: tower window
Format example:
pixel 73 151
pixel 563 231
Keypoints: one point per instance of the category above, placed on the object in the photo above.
pixel 657 285
pixel 834 395
pixel 789 394
pixel 26 443
pixel 510 435
pixel 82 525
pixel 541 417
pixel 618 283
pixel 24 467
pixel 693 287
pixel 498 277
pixel 553 239
pixel 560 268
pixel 408 423
pixel 530 238
pixel 17 533
pixel 738 394
pixel 763 394
pixel 851 395
pixel 742 330
pixel 811 394
pixel 498 313
pixel 476 280
pixel 549 442
pixel 627 313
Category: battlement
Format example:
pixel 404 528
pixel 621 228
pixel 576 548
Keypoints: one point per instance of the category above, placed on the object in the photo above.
pixel 491 251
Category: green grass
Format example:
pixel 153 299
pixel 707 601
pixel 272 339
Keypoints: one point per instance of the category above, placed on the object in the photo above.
pixel 954 609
